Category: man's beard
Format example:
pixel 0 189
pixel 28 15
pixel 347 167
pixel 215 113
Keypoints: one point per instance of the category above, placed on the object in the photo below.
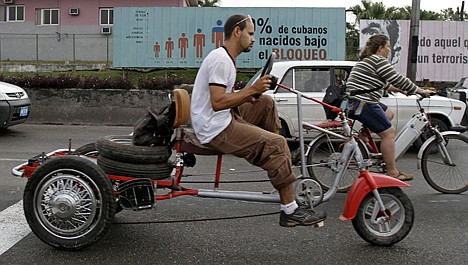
pixel 248 49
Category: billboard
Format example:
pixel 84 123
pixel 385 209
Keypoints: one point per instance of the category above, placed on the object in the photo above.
pixel 442 47
pixel 183 36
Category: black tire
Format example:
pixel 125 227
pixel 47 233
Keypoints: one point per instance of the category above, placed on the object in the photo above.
pixel 444 177
pixel 398 207
pixel 87 150
pixel 425 134
pixel 120 148
pixel 153 171
pixel 69 202
pixel 325 153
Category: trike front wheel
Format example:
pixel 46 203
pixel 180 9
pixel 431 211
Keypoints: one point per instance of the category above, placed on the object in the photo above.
pixel 388 227
pixel 444 166
pixel 69 202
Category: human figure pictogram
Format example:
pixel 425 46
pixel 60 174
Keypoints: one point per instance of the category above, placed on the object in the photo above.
pixel 157 49
pixel 169 47
pixel 199 43
pixel 217 34
pixel 183 45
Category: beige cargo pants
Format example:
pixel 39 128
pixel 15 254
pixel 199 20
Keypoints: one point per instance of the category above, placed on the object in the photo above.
pixel 253 135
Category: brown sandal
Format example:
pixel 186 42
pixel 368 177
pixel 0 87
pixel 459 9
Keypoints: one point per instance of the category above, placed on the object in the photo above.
pixel 403 176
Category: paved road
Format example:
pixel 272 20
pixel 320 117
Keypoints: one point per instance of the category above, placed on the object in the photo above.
pixel 176 230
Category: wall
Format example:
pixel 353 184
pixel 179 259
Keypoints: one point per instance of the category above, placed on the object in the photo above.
pixel 92 107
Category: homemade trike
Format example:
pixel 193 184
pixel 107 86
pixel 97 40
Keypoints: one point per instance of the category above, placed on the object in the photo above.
pixel 70 202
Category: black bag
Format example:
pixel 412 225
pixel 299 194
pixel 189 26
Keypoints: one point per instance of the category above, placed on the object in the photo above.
pixel 155 127
pixel 334 95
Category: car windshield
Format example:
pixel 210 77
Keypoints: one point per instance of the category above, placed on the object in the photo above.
pixel 463 83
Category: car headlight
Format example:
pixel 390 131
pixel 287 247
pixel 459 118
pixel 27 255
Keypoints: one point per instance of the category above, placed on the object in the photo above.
pixel 2 96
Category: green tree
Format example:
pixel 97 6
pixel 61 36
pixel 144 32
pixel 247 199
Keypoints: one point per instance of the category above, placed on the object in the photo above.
pixel 452 15
pixel 352 42
pixel 208 3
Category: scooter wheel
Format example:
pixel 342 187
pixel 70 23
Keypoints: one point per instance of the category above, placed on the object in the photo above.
pixel 385 228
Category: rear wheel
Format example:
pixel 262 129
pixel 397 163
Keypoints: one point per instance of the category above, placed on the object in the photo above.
pixel 323 158
pixel 69 202
pixel 441 174
pixel 388 227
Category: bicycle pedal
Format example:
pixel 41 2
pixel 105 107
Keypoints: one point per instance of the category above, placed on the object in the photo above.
pixel 376 155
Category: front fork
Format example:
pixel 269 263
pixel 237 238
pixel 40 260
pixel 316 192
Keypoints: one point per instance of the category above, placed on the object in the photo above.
pixel 441 143
pixel 368 182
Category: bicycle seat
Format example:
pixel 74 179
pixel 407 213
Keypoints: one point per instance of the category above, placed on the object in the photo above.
pixel 187 139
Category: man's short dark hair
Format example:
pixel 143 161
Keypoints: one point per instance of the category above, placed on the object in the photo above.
pixel 232 22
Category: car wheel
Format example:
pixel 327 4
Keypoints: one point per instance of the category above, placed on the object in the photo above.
pixel 120 148
pixel 154 171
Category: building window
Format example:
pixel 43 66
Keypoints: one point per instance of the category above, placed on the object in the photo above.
pixel 12 13
pixel 106 16
pixel 48 17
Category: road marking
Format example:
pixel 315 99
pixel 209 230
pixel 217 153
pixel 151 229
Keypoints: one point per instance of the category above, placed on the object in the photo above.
pixel 13 226
pixel 12 159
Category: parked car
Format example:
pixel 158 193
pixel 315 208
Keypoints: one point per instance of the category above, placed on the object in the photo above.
pixel 313 78
pixel 460 91
pixel 15 105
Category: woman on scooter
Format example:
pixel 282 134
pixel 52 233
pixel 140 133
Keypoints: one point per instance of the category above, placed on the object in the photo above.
pixel 369 79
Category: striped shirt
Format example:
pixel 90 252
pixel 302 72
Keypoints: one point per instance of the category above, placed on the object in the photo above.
pixel 376 72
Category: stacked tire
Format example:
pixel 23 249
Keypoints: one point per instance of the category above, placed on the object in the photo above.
pixel 118 156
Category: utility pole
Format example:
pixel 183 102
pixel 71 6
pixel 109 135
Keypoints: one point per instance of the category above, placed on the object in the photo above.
pixel 413 41
pixel 462 11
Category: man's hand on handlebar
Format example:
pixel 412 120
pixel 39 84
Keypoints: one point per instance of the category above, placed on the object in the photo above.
pixel 261 85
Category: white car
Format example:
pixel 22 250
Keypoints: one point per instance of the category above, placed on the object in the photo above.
pixel 15 105
pixel 313 78
pixel 460 91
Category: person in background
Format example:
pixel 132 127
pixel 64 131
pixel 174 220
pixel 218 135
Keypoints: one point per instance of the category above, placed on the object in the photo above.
pixel 241 124
pixel 374 75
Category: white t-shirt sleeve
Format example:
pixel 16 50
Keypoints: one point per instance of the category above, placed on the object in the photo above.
pixel 219 73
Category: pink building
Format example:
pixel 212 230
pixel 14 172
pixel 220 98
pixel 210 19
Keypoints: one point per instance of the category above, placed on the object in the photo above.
pixel 66 12
pixel 63 30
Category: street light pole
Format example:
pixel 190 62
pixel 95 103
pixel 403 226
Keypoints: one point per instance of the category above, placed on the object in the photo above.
pixel 413 41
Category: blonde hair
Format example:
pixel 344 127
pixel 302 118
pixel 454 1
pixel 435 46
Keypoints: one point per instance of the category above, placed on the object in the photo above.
pixel 372 45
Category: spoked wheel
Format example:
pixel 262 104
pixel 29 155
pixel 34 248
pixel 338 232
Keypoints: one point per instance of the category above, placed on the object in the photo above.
pixel 449 174
pixel 323 159
pixel 69 202
pixel 384 228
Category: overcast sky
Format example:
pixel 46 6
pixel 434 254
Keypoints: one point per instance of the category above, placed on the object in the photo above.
pixel 432 5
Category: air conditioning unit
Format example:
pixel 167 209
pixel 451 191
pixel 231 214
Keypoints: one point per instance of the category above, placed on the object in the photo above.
pixel 106 30
pixel 74 11
pixel 8 1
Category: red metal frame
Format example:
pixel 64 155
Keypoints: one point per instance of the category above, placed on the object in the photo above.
pixel 174 185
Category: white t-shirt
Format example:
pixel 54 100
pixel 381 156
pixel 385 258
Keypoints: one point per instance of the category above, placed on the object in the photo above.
pixel 218 68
